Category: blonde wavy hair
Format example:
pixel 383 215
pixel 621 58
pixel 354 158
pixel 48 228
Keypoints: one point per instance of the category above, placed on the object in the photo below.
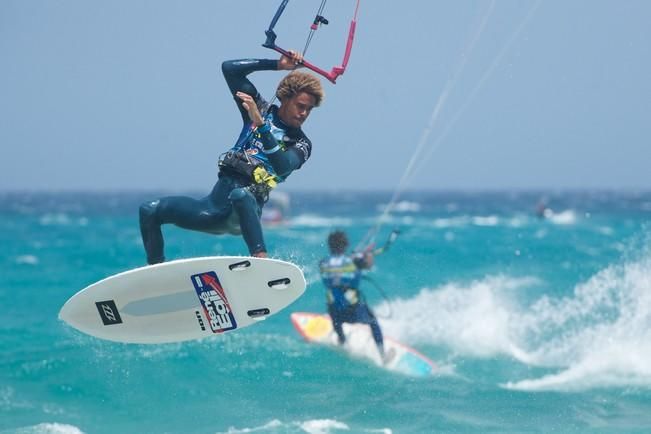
pixel 296 82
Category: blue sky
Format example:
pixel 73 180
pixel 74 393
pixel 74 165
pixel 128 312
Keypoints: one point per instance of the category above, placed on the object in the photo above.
pixel 128 95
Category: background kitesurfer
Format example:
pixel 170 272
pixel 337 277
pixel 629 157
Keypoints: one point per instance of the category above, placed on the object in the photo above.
pixel 341 274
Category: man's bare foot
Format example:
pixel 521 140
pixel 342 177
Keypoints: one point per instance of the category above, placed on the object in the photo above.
pixel 260 255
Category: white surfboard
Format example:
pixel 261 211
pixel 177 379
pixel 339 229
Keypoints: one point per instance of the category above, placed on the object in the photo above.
pixel 317 328
pixel 184 299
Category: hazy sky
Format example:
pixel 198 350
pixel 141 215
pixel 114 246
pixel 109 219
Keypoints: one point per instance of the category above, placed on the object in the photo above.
pixel 128 95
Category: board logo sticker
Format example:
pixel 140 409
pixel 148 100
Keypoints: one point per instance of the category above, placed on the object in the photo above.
pixel 214 302
pixel 108 311
pixel 200 320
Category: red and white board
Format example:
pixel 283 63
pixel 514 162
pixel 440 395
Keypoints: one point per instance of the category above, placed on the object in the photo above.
pixel 184 299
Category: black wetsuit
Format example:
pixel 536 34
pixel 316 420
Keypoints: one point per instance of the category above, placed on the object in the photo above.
pixel 235 203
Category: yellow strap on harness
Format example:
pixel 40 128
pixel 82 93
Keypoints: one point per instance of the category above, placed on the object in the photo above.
pixel 261 176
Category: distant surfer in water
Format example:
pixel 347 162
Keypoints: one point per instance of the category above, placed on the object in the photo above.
pixel 341 274
pixel 270 147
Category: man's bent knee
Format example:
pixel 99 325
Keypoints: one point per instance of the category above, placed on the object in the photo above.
pixel 148 209
pixel 241 197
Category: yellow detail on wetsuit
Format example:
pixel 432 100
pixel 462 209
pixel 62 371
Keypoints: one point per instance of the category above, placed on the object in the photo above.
pixel 350 294
pixel 349 268
pixel 261 176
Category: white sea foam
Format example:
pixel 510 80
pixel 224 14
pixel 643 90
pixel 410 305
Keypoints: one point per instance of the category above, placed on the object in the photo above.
pixel 402 206
pixel 46 428
pixel 482 221
pixel 624 364
pixel 58 219
pixel 61 219
pixel 452 222
pixel 9 400
pixel 271 425
pixel 27 260
pixel 490 220
pixel 567 217
pixel 312 426
pixel 599 336
pixel 322 426
pixel 473 318
pixel 312 220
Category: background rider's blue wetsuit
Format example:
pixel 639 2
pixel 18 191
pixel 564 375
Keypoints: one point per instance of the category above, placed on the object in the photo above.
pixel 341 274
pixel 235 204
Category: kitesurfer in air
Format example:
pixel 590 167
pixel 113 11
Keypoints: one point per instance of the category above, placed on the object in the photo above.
pixel 341 274
pixel 270 147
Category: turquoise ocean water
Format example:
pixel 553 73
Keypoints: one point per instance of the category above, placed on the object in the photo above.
pixel 538 325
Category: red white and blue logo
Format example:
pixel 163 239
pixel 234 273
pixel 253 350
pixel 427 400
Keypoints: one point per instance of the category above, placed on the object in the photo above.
pixel 214 302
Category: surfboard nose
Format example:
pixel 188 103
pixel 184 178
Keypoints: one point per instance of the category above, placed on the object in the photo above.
pixel 76 315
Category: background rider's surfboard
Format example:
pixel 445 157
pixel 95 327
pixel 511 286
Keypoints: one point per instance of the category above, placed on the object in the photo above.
pixel 184 299
pixel 317 328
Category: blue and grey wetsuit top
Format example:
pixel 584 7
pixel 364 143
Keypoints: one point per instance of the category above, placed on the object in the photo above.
pixel 341 275
pixel 282 149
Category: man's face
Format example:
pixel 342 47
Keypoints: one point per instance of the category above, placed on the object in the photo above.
pixel 294 111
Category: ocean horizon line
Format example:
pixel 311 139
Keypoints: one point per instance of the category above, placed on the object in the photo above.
pixel 442 191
